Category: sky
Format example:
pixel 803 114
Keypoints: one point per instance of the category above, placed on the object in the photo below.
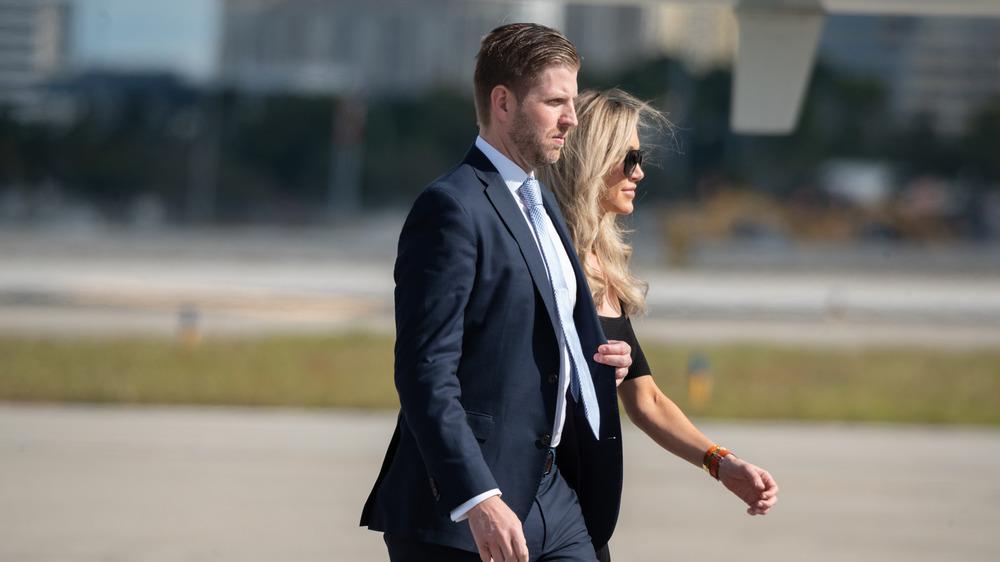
pixel 175 35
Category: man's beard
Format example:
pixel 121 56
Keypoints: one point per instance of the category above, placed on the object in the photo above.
pixel 532 148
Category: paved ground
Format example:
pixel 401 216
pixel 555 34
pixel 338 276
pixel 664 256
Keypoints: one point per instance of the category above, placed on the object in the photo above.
pixel 94 484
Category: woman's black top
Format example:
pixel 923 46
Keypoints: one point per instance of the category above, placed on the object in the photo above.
pixel 621 329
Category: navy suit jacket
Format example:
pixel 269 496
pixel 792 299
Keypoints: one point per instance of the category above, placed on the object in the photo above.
pixel 476 367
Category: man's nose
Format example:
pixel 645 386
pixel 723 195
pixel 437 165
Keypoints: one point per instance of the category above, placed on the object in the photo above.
pixel 569 117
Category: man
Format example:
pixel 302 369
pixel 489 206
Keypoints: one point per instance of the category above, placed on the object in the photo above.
pixel 503 446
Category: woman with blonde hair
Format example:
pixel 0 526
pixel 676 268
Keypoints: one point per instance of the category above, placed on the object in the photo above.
pixel 595 182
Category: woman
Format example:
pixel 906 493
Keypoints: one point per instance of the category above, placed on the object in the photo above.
pixel 594 181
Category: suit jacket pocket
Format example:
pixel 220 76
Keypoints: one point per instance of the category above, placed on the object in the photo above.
pixel 481 425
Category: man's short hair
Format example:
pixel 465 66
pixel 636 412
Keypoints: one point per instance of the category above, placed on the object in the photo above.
pixel 514 55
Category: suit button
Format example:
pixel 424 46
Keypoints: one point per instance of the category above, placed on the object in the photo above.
pixel 554 378
pixel 546 439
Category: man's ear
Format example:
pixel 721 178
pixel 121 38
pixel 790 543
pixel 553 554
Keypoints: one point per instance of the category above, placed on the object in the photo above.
pixel 503 102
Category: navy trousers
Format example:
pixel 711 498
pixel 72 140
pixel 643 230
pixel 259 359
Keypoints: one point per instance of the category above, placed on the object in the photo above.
pixel 554 531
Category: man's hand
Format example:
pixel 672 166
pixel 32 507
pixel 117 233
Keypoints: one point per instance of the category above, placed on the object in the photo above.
pixel 617 354
pixel 753 485
pixel 498 532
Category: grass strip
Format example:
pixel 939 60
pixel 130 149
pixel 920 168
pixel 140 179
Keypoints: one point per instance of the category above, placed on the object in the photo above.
pixel 355 371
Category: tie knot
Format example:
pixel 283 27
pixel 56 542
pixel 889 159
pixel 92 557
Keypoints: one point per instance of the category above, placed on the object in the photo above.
pixel 531 192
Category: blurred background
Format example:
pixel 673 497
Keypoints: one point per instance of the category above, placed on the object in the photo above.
pixel 199 206
pixel 238 112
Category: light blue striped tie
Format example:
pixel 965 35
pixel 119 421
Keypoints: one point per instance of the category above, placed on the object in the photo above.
pixel 581 384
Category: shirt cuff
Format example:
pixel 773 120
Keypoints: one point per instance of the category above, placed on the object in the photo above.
pixel 461 513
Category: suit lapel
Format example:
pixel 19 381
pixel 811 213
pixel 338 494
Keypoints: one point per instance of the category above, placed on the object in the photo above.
pixel 510 213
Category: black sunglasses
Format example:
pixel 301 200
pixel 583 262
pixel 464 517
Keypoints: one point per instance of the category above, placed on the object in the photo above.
pixel 633 158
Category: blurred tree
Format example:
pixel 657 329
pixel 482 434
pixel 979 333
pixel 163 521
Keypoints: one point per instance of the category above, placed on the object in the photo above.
pixel 981 143
pixel 849 113
pixel 275 153
pixel 412 141
pixel 919 149
pixel 269 157
pixel 109 158
pixel 841 116
pixel 17 146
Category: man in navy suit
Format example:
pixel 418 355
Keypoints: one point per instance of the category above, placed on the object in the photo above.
pixel 492 457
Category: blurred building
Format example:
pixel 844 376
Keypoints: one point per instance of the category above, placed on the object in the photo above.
pixel 610 38
pixel 402 46
pixel 936 70
pixel 703 37
pixel 17 30
pixel 34 45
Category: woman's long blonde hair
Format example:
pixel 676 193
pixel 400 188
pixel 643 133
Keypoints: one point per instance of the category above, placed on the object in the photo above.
pixel 593 149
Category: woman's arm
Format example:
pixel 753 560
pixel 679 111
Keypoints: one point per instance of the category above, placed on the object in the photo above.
pixel 659 418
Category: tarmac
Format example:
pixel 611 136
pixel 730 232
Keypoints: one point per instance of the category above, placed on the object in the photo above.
pixel 126 484
pixel 110 484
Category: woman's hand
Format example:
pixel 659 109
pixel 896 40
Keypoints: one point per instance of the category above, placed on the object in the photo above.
pixel 751 484
pixel 617 354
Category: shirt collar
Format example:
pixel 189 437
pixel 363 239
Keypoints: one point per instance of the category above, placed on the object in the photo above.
pixel 511 173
